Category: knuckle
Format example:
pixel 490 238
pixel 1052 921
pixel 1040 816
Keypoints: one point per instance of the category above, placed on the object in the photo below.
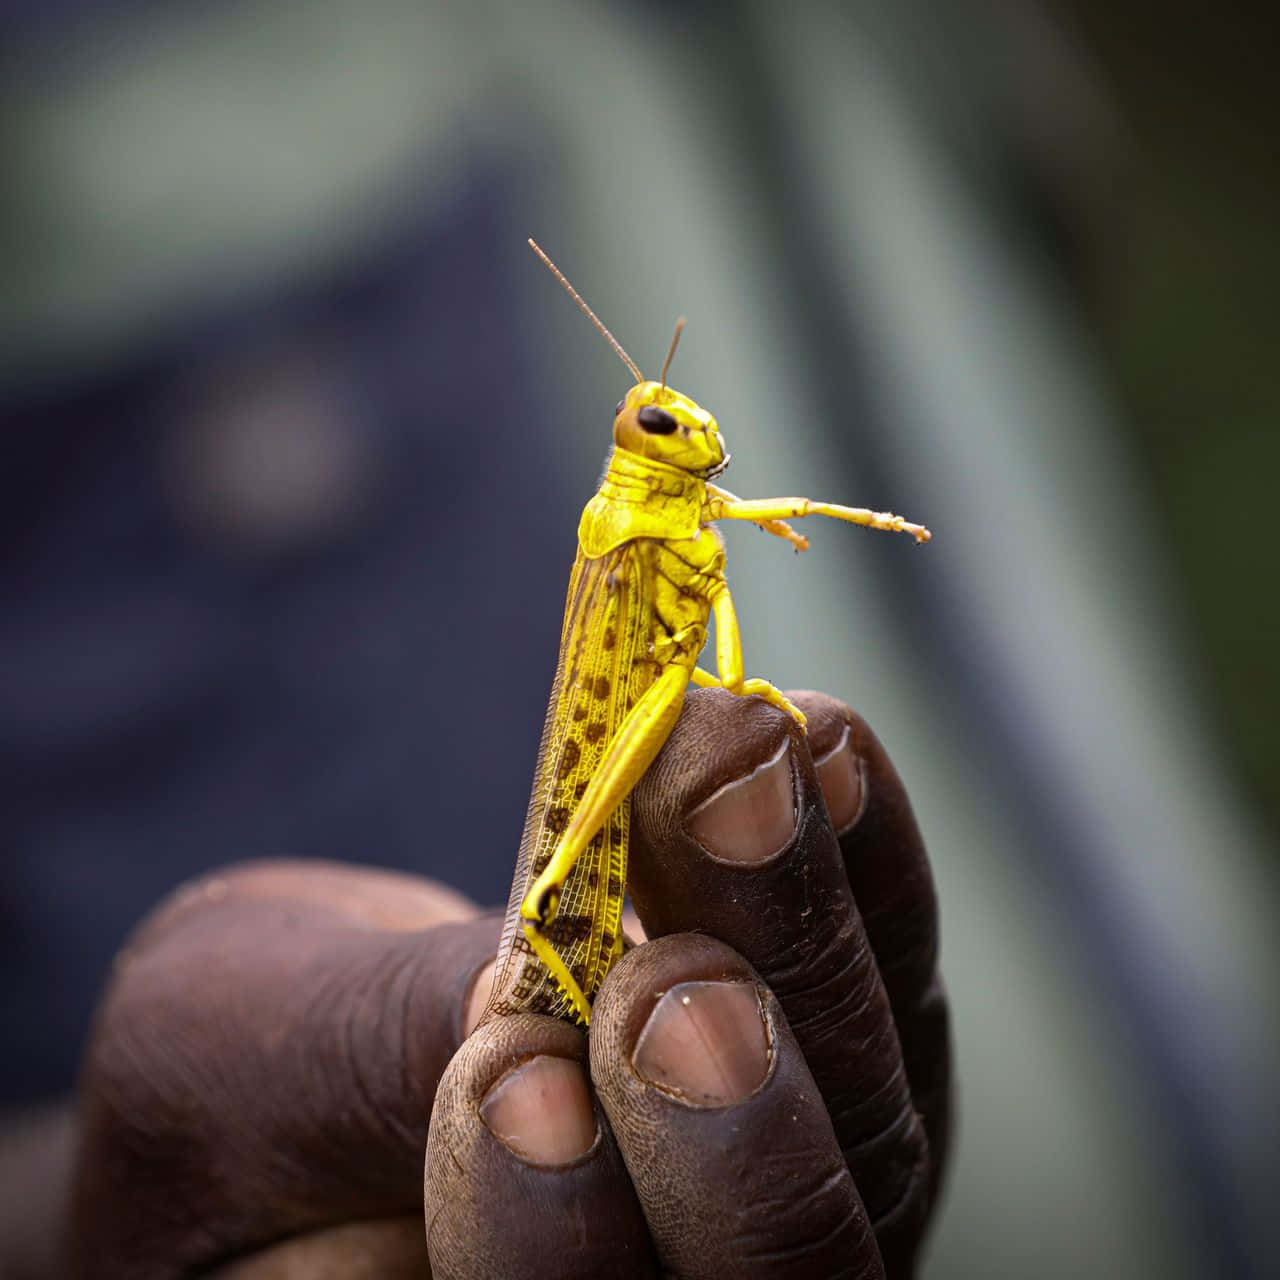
pixel 830 988
pixel 803 1216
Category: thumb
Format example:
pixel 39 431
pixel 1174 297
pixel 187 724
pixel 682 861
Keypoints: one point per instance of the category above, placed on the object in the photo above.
pixel 263 1067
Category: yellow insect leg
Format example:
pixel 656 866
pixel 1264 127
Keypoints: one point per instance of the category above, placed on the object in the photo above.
pixel 779 528
pixel 766 509
pixel 729 662
pixel 558 970
pixel 629 753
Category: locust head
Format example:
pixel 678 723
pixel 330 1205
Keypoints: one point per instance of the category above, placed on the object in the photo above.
pixel 652 420
pixel 657 422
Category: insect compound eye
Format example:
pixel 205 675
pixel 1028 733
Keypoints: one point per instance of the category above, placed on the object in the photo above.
pixel 657 422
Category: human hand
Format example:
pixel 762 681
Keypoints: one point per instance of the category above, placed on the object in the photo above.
pixel 777 1106
pixel 265 1060
pixel 257 1086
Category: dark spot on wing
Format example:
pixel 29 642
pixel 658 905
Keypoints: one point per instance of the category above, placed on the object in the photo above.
pixel 610 637
pixel 569 757
pixel 594 731
pixel 614 889
pixel 582 711
pixel 557 818
pixel 603 687
pixel 565 931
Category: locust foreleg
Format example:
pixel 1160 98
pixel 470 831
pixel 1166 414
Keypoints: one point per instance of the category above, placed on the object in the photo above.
pixel 722 505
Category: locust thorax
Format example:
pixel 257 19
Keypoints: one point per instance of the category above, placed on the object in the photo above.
pixel 657 422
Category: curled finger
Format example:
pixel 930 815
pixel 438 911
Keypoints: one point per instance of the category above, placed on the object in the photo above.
pixel 732 838
pixel 523 1177
pixel 722 1127
pixel 888 870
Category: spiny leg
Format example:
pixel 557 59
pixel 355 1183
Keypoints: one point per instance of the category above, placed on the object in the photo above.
pixel 629 753
pixel 760 510
pixel 779 528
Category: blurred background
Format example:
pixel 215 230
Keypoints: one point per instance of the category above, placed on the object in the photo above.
pixel 296 432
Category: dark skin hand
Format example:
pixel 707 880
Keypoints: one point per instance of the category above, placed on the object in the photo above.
pixel 764 1091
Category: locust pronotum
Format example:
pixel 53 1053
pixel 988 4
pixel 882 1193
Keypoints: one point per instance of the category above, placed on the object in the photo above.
pixel 648 574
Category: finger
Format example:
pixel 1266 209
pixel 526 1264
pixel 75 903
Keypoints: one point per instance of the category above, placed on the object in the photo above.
pixel 731 838
pixel 371 897
pixel 888 870
pixel 262 1069
pixel 723 1129
pixel 386 1250
pixel 523 1176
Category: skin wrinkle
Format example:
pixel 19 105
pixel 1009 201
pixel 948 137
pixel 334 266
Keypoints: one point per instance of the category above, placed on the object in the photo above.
pixel 316 1078
pixel 825 972
pixel 354 1072
pixel 909 942
pixel 775 1181
pixel 864 1119
pixel 320 1047
pixel 128 1089
pixel 889 1131
pixel 779 1257
pixel 890 873
pixel 894 885
pixel 411 977
pixel 319 1024
pixel 395 1048
pixel 850 975
pixel 904 1207
pixel 821 1012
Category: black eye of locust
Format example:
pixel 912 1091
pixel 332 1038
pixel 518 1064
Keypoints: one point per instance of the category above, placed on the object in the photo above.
pixel 656 421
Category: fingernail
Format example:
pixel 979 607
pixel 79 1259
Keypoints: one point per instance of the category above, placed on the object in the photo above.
pixel 478 998
pixel 751 818
pixel 706 1042
pixel 542 1111
pixel 840 777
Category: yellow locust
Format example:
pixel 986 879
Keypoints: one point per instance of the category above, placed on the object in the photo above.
pixel 648 574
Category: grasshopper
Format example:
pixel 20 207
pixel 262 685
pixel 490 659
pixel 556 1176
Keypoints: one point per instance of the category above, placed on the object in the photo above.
pixel 648 575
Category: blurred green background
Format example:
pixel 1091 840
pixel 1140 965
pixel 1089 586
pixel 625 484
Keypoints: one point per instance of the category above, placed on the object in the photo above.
pixel 1186 322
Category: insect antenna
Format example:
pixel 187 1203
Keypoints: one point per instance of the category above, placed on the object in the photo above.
pixel 671 351
pixel 586 310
